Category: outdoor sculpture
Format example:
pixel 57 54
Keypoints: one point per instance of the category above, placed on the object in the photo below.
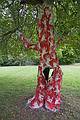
pixel 48 88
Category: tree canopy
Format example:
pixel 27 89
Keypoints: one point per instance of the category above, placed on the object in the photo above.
pixel 13 16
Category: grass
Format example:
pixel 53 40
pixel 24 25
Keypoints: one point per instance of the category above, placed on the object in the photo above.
pixel 71 80
pixel 21 81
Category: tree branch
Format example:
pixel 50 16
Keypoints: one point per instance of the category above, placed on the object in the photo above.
pixel 8 5
pixel 59 2
pixel 9 32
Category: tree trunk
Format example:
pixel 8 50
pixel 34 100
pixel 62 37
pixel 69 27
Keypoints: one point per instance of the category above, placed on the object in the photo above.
pixel 48 89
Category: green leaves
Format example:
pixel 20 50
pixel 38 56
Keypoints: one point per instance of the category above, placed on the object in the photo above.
pixel 13 16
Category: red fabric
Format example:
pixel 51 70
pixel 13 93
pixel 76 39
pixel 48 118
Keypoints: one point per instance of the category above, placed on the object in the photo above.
pixel 47 93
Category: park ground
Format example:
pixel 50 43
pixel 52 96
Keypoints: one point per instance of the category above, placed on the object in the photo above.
pixel 17 84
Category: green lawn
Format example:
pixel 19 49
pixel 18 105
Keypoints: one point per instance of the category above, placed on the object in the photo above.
pixel 21 81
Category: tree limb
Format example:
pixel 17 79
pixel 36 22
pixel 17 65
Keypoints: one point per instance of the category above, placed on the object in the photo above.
pixel 9 32
pixel 8 5
pixel 59 2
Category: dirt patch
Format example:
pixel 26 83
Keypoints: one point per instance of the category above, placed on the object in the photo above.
pixel 70 110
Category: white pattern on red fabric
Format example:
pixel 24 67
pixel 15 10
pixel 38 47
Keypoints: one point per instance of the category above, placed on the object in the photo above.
pixel 47 92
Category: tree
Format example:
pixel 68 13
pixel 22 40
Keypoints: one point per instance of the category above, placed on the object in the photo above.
pixel 19 17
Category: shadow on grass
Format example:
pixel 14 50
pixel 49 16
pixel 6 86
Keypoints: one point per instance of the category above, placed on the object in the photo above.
pixel 70 109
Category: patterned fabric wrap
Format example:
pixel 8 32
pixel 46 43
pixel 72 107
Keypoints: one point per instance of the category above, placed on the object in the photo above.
pixel 48 91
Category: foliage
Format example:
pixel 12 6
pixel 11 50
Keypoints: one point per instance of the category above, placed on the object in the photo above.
pixel 13 16
pixel 67 54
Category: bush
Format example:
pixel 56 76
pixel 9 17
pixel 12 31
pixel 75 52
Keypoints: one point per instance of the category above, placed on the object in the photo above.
pixel 17 62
